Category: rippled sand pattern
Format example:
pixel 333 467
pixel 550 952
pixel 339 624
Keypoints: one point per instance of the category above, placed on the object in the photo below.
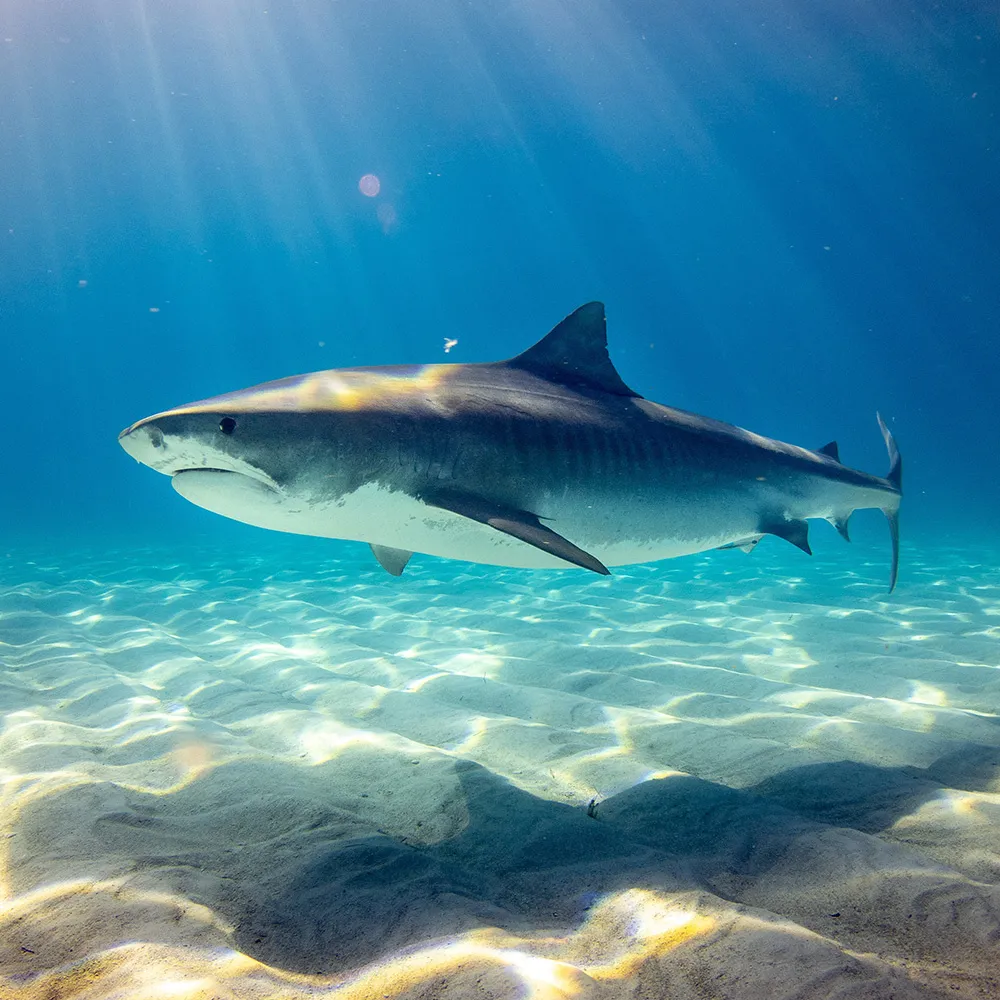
pixel 291 776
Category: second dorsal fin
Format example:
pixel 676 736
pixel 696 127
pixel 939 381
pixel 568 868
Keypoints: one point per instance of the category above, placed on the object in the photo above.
pixel 575 353
pixel 830 450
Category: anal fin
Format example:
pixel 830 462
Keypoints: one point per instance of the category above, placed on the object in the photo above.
pixel 391 560
pixel 518 524
pixel 840 523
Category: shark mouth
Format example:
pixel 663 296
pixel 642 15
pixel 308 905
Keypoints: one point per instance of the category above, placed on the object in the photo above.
pixel 211 471
pixel 221 490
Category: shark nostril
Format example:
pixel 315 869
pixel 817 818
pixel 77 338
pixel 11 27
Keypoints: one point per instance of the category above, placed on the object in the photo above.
pixel 156 437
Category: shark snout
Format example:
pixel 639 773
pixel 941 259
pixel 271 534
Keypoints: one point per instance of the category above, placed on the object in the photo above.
pixel 145 442
pixel 178 453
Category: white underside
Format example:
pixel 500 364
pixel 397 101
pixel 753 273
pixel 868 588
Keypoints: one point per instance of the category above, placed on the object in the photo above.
pixel 381 516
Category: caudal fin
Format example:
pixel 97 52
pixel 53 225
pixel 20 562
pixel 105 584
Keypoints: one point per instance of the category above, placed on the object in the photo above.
pixel 895 478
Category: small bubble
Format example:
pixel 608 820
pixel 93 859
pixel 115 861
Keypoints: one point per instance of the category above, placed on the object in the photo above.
pixel 154 309
pixel 82 283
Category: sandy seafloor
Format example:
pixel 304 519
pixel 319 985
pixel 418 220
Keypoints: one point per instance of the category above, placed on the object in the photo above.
pixel 279 773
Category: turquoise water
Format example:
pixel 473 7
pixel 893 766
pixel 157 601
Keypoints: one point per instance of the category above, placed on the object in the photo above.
pixel 243 765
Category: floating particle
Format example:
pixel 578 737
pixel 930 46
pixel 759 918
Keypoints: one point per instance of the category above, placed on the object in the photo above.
pixel 154 309
pixel 82 283
pixel 449 344
pixel 369 185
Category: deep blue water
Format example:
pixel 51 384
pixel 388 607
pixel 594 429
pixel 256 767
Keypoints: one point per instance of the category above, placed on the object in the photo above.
pixel 790 209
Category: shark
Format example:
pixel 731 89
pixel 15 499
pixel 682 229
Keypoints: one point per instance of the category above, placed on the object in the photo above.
pixel 544 460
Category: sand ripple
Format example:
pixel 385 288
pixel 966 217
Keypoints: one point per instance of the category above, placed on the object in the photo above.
pixel 284 774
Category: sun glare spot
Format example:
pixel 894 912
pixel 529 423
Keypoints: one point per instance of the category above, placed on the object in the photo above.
pixel 369 185
pixel 183 987
pixel 476 728
pixel 418 682
pixel 926 694
pixel 655 921
pixel 661 775
pixel 323 742
pixel 543 972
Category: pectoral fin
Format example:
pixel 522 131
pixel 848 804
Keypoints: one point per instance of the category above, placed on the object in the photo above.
pixel 518 524
pixel 794 531
pixel 746 544
pixel 391 560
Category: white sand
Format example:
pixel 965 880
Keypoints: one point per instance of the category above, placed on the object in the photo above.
pixel 289 775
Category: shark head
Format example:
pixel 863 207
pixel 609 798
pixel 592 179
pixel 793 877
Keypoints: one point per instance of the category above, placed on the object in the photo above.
pixel 285 454
pixel 243 454
pixel 214 455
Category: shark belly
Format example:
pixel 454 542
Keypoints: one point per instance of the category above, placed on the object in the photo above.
pixel 380 515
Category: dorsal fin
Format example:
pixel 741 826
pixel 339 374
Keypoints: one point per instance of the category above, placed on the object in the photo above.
pixel 575 354
pixel 830 450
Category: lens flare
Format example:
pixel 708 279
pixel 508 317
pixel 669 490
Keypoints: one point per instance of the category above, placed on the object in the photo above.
pixel 369 185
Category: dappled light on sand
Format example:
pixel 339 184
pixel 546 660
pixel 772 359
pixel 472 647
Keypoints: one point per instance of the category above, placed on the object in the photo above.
pixel 228 778
pixel 623 932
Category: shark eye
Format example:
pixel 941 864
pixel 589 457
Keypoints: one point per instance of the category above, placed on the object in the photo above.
pixel 227 425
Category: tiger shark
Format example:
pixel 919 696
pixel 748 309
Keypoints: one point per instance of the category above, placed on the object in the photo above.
pixel 546 460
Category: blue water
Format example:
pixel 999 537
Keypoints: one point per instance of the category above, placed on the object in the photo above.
pixel 790 210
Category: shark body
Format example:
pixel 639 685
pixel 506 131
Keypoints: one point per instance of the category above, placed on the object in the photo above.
pixel 545 460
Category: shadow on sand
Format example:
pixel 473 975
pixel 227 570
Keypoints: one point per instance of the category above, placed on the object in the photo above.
pixel 329 882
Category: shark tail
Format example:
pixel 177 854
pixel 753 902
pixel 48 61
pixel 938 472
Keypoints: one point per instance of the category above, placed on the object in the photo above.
pixel 895 479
